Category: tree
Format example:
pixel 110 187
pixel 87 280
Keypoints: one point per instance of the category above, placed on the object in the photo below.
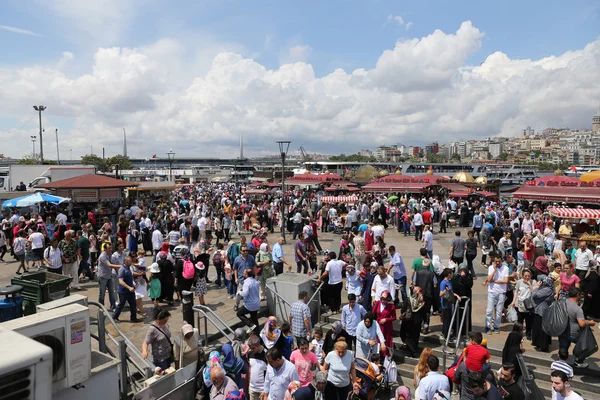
pixel 29 160
pixel 455 156
pixel 435 158
pixel 120 162
pixel 108 164
pixel 503 157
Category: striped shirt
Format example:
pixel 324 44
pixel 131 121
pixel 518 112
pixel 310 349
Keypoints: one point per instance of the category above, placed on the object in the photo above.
pixel 54 255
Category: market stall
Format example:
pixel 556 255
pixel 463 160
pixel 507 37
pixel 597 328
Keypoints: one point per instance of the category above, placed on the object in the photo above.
pixel 150 192
pixel 584 221
pixel 567 194
pixel 339 199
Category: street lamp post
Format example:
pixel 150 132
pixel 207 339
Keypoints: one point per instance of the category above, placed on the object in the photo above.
pixel 284 146
pixel 39 109
pixel 57 151
pixel 171 156
pixel 33 144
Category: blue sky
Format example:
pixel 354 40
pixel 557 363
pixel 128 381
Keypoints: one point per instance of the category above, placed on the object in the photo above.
pixel 324 34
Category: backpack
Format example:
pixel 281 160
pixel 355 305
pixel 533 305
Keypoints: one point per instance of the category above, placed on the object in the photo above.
pixel 218 259
pixel 188 269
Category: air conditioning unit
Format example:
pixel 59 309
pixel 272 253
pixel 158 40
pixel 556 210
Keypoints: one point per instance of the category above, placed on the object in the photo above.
pixel 66 330
pixel 25 367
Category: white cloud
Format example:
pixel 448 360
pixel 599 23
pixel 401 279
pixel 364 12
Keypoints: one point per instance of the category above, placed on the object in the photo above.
pixel 18 30
pixel 297 53
pixel 418 91
pixel 397 19
pixel 409 24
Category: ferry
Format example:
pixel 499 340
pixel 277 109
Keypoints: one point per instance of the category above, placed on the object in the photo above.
pixel 511 176
pixel 578 170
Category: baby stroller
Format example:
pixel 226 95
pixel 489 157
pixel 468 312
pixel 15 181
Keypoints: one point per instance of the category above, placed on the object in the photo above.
pixel 368 377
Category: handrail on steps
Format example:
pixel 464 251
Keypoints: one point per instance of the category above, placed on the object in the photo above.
pixel 279 298
pixel 459 330
pixel 201 309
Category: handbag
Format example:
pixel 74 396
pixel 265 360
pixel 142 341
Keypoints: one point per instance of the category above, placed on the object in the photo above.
pixel 449 298
pixel 453 368
pixel 528 304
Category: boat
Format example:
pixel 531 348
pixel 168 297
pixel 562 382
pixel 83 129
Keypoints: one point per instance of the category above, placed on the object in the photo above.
pixel 511 176
pixel 578 170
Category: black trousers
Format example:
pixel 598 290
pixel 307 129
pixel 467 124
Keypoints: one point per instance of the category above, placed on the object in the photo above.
pixel 129 298
pixel 243 313
pixel 278 267
pixel 335 294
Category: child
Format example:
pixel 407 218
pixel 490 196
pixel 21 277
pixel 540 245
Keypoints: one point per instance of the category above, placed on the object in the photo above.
pixel 475 354
pixel 316 345
pixel 154 283
pixel 201 288
pixel 228 283
pixel 555 271
pixel 288 340
pixel 140 281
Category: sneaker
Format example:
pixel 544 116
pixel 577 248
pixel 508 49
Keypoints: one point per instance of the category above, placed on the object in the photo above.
pixel 135 320
pixel 580 365
pixel 235 308
pixel 250 330
pixel 488 331
pixel 442 337
pixel 496 331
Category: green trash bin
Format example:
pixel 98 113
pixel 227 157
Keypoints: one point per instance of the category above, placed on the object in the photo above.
pixel 41 287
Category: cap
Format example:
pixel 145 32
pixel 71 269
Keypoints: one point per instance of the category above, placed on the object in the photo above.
pixel 187 328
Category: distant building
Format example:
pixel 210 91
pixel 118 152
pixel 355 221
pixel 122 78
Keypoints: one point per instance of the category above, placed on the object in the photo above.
pixel 528 131
pixel 366 153
pixel 432 148
pixel 596 122
pixel 495 150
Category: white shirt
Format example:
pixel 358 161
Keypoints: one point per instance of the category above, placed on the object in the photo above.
pixel 378 231
pixel 276 382
pixel 334 267
pixel 583 258
pixel 380 286
pixel 61 219
pixel 157 240
pixel 572 396
pixel 54 256
pixel 202 223
pixel 418 219
pixel 428 240
pixel 37 240
pixel 499 274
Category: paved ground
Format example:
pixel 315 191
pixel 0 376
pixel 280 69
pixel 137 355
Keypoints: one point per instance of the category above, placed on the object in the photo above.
pixel 218 301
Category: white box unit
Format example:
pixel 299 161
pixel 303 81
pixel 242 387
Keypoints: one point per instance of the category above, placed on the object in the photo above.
pixel 65 301
pixel 25 367
pixel 66 330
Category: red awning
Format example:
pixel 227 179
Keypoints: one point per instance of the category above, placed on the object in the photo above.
pixel 454 187
pixel 461 193
pixel 567 194
pixel 339 199
pixel 485 193
pixel 565 212
pixel 89 181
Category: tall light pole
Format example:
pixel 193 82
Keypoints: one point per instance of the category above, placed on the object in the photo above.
pixel 57 151
pixel 171 156
pixel 284 146
pixel 33 144
pixel 39 109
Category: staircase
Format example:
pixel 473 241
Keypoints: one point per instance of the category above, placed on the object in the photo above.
pixel 586 382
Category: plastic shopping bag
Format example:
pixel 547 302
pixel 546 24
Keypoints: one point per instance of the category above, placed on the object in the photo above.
pixel 512 315
pixel 586 344
pixel 555 318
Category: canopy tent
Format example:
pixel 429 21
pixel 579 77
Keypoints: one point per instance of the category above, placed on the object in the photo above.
pixel 583 195
pixel 382 187
pixel 339 199
pixel 565 212
pixel 34 198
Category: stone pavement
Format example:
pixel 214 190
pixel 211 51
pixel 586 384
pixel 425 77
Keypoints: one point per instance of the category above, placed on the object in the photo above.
pixel 217 300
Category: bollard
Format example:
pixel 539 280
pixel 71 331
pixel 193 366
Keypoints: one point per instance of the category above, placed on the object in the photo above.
pixel 187 302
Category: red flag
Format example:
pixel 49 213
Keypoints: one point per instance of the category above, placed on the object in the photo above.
pixel 154 156
pixel 573 168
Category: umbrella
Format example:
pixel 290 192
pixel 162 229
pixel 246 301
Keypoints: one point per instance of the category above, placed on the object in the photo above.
pixel 392 198
pixel 34 198
pixel 590 176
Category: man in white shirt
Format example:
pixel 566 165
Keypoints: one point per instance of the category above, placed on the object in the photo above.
pixel 381 283
pixel 37 247
pixel 496 281
pixel 428 241
pixel 202 222
pixel 61 219
pixel 333 270
pixel 528 225
pixel 583 256
pixel 257 358
pixel 378 231
pixel 418 222
pixel 561 390
pixel 157 241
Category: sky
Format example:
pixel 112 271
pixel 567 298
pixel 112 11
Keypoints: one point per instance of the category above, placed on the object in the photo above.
pixel 333 76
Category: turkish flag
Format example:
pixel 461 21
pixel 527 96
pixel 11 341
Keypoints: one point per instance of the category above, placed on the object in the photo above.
pixel 154 156
pixel 573 168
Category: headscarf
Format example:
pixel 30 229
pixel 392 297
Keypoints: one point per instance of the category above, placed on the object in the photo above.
pixel 236 395
pixel 165 247
pixel 559 255
pixel 214 360
pixel 336 327
pixel 231 363
pixel 264 247
pixel 402 391
pixel 269 334
pixel 385 295
pixel 320 377
pixel 292 387
pixel 162 254
pixel 541 265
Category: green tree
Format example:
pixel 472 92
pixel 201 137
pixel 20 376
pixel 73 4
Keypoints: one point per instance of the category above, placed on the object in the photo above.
pixel 120 162
pixel 98 162
pixel 503 157
pixel 455 156
pixel 435 158
pixel 29 160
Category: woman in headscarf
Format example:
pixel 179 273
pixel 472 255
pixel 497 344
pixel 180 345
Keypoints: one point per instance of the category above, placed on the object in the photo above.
pixel 314 391
pixel 539 243
pixel 235 366
pixel 402 393
pixel 367 276
pixel 540 265
pixel 134 234
pixel 333 335
pixel 513 347
pixel 410 330
pixel 271 336
pixel 384 313
pixel 214 361
pixel 368 333
pixel 167 280
pixel 239 339
pixel 542 297
pixel 264 261
pixel 560 256
pixel 591 289
pixel 291 389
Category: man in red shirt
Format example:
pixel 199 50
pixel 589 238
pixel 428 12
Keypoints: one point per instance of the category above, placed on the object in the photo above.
pixel 426 217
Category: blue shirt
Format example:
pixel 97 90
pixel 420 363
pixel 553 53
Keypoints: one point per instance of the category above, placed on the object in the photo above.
pixel 251 294
pixel 445 284
pixel 353 284
pixel 240 265
pixel 430 384
pixel 277 381
pixel 351 317
pixel 125 274
pixel 277 253
pixel 398 266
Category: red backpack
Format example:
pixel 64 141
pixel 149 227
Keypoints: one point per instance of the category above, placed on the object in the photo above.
pixel 188 269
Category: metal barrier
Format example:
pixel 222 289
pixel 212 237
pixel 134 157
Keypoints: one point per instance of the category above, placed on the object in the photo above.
pixel 458 330
pixel 202 315
pixel 143 366
pixel 279 300
pixel 317 300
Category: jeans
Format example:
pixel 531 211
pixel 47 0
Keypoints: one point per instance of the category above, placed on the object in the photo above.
pixel 470 258
pixel 495 300
pixel 565 340
pixel 430 254
pixel 447 316
pixel 128 297
pixel 406 228
pixel 419 232
pixel 85 267
pixel 402 283
pixel 220 273
pixel 104 285
pixel 302 267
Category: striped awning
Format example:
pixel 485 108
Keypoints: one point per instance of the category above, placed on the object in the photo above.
pixel 339 199
pixel 565 212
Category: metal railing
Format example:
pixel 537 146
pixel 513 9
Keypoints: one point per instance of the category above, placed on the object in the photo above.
pixel 278 302
pixel 313 298
pixel 143 366
pixel 460 322
pixel 203 316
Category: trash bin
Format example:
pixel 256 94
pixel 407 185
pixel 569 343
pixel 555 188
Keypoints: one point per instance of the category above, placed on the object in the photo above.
pixel 41 287
pixel 11 307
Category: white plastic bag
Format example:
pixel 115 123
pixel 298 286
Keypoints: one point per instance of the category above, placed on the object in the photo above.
pixel 452 265
pixel 512 315
pixel 438 267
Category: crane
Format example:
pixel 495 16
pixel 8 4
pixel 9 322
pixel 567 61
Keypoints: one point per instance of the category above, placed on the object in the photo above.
pixel 305 156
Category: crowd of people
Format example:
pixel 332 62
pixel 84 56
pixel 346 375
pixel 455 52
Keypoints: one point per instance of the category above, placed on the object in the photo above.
pixel 532 265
